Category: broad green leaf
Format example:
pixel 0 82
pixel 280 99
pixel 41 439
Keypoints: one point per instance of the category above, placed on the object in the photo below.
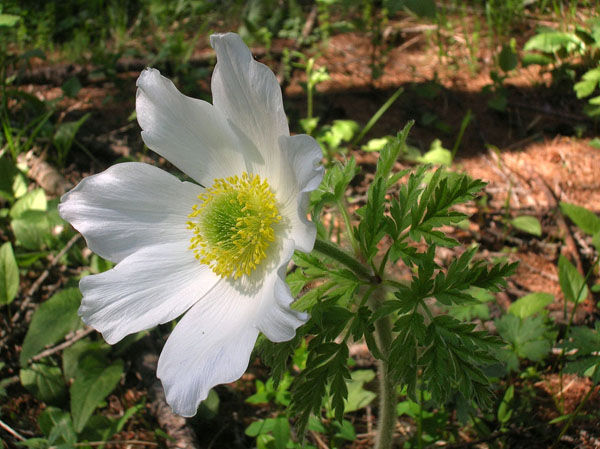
pixel 530 304
pixel 9 20
pixel 56 424
pixel 437 155
pixel 278 427
pixel 422 8
pixel 33 229
pixel 345 430
pixel 281 432
pixel 93 383
pixel 585 88
pixel 12 181
pixel 33 201
pixel 358 397
pixel 507 59
pixel 571 281
pixel 9 274
pixel 65 134
pixel 53 320
pixel 45 382
pixel 535 59
pixel 71 87
pixel 528 224
pixel 585 219
pixel 209 408
pixel 75 353
pixel 99 265
pixel 589 82
pixel 596 240
pixel 376 144
pixel 553 41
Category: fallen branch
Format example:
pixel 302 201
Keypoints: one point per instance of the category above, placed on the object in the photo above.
pixel 44 174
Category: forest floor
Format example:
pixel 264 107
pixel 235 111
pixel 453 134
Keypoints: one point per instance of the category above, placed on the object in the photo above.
pixel 536 153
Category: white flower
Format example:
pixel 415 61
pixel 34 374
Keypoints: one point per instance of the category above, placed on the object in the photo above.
pixel 217 250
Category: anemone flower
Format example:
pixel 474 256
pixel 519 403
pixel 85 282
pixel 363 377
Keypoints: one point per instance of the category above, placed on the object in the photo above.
pixel 215 250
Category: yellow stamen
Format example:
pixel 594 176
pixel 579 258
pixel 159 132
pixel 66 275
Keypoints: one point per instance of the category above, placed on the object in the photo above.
pixel 233 224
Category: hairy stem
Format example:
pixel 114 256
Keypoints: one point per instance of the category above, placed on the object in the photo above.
pixel 387 389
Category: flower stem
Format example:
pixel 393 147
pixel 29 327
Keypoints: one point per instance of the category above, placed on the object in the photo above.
pixel 387 388
pixel 330 250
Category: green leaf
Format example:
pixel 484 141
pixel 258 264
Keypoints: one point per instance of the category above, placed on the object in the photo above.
pixel 9 274
pixel 571 281
pixel 536 59
pixel 528 224
pixel 437 155
pixel 9 20
pixel 530 304
pixel 326 365
pixel 340 131
pixel 53 320
pixel 376 144
pixel 12 182
pixel 553 41
pixel 504 411
pixel 45 382
pixel 583 348
pixel 454 358
pixel 93 383
pixel 507 59
pixel 33 201
pixel 56 424
pixel 358 397
pixel 585 219
pixel 371 228
pixel 71 87
pixel 585 88
pixel 33 229
pixel 588 84
pixel 65 135
pixel 468 312
pixel 78 351
pixel 391 151
pixel 281 432
pixel 529 338
pixel 334 185
pixel 422 8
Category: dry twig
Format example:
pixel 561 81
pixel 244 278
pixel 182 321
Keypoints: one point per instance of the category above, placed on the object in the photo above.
pixel 70 340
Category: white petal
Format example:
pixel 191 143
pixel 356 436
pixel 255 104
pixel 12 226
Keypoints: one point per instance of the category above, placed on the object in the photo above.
pixel 212 343
pixel 153 286
pixel 129 206
pixel 192 134
pixel 249 95
pixel 277 320
pixel 304 155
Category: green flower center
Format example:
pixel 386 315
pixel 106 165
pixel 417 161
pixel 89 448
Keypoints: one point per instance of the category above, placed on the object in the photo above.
pixel 233 224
